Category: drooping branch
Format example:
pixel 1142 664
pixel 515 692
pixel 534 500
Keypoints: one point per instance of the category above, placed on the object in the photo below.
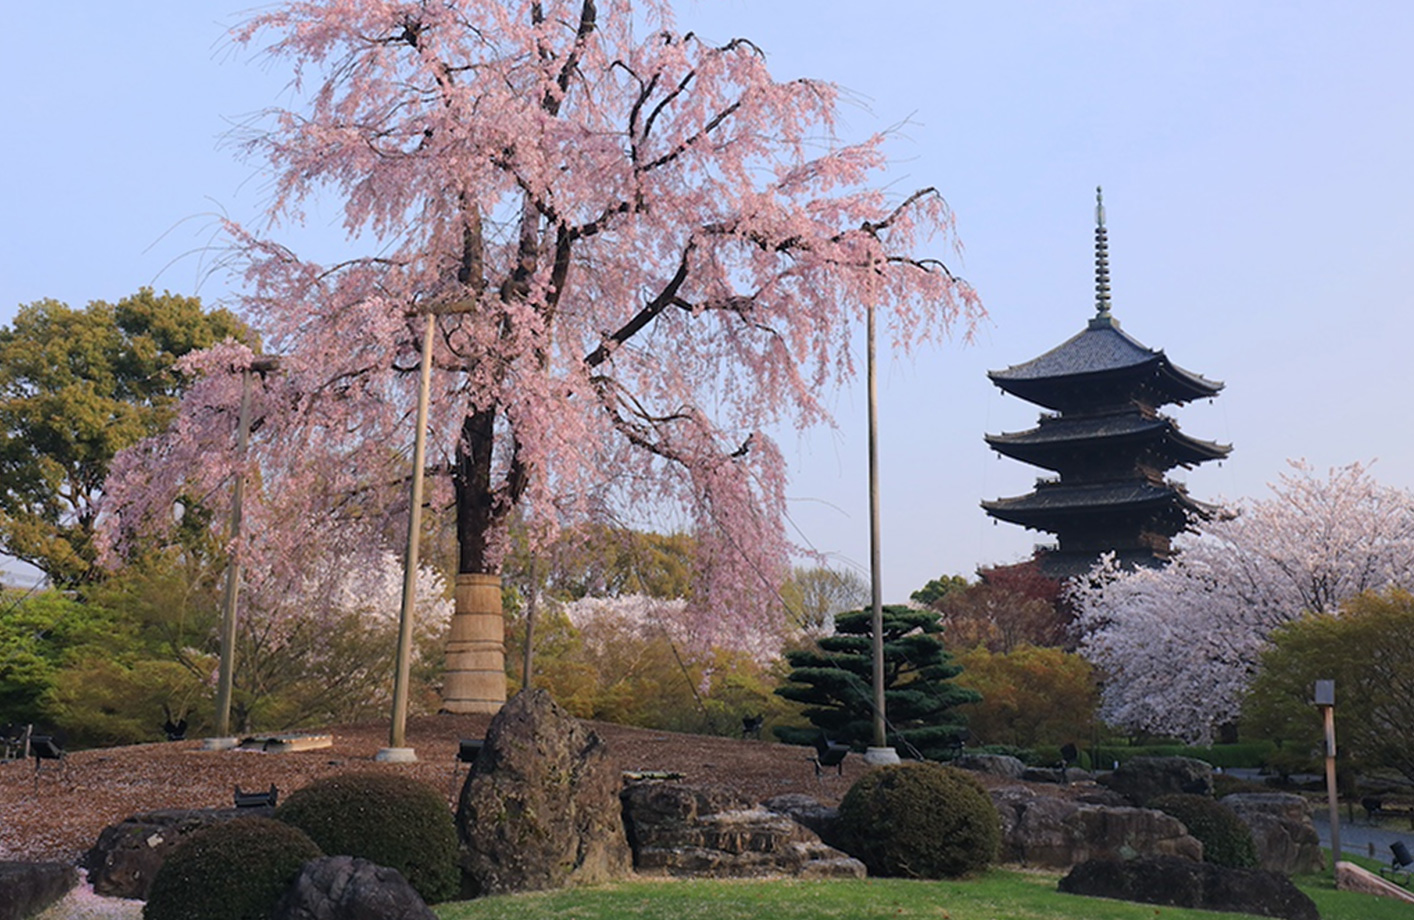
pixel 646 315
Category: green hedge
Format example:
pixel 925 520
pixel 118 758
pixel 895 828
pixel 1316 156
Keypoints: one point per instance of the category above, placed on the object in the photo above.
pixel 386 818
pixel 919 820
pixel 1244 755
pixel 236 870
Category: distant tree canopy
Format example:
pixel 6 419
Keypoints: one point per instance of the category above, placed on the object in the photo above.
pixel 1368 650
pixel 814 594
pixel 1031 696
pixel 834 682
pixel 1008 606
pixel 76 387
pixel 939 588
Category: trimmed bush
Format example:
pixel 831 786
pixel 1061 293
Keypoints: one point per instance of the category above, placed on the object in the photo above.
pixel 385 818
pixel 919 820
pixel 1226 840
pixel 235 870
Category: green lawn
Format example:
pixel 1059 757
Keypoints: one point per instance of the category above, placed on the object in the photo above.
pixel 998 895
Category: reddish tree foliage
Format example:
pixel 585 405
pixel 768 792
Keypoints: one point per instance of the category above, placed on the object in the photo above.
pixel 1008 606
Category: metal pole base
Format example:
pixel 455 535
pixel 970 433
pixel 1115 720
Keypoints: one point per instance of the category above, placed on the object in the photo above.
pixel 396 755
pixel 880 756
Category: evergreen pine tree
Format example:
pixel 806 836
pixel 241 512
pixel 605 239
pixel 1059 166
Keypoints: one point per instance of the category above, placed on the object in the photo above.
pixel 834 681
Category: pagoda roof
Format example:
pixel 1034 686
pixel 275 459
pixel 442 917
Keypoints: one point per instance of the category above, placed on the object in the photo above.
pixel 1041 445
pixel 1052 501
pixel 1102 350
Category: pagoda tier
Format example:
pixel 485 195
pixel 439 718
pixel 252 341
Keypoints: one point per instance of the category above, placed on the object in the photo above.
pixel 1089 446
pixel 1108 443
pixel 1102 365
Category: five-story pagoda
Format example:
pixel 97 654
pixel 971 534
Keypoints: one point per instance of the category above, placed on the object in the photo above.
pixel 1106 440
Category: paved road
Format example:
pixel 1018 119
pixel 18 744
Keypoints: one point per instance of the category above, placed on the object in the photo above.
pixel 1360 836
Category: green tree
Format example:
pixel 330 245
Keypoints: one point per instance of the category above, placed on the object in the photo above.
pixel 42 634
pixel 834 682
pixel 76 387
pixel 1368 650
pixel 938 588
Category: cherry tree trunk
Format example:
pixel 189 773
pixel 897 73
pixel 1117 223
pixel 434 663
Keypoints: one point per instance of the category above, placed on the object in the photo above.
pixel 475 672
pixel 475 678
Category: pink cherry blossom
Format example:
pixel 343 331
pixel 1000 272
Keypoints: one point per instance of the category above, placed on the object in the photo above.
pixel 640 250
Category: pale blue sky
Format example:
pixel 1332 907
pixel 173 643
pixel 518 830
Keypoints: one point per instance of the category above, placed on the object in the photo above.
pixel 1255 157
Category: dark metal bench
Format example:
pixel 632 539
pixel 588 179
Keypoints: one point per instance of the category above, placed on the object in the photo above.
pixel 751 727
pixel 1401 865
pixel 47 747
pixel 829 754
pixel 257 799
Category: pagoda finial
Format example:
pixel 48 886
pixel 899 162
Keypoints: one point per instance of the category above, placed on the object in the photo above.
pixel 1102 259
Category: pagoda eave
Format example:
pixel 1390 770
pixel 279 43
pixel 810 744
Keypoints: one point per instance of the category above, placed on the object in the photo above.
pixel 1049 444
pixel 1054 504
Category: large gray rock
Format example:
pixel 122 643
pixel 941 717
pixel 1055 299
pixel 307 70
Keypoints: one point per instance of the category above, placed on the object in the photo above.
pixel 1183 883
pixel 27 888
pixel 710 831
pixel 1057 833
pixel 125 859
pixel 1286 839
pixel 993 764
pixel 348 888
pixel 1143 779
pixel 822 819
pixel 540 808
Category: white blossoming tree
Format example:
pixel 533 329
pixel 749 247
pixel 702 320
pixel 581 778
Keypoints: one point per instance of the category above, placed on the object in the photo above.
pixel 1179 646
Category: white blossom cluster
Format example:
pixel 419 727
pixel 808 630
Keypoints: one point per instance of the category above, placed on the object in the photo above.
pixel 1179 646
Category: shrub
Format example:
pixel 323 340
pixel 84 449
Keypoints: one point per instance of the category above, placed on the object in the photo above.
pixel 1226 840
pixel 919 820
pixel 235 870
pixel 387 819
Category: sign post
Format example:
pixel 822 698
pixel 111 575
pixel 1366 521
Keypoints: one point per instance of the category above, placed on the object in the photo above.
pixel 1325 700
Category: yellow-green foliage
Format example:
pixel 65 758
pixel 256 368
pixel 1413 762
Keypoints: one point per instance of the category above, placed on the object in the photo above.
pixel 1368 650
pixel 1031 696
pixel 919 820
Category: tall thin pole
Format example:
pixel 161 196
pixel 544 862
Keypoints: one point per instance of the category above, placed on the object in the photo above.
pixel 226 671
pixel 397 735
pixel 875 588
pixel 1332 797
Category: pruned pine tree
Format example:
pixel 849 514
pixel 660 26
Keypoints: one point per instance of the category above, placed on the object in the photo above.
pixel 834 682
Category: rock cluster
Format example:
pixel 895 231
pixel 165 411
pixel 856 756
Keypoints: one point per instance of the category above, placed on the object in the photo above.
pixel 1057 833
pixel 27 888
pixel 711 832
pixel 1174 882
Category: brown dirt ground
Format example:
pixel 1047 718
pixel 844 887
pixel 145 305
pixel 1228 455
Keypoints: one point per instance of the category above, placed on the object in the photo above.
pixel 57 813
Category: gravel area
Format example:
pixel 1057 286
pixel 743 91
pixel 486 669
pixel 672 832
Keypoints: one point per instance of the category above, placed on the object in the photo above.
pixel 59 812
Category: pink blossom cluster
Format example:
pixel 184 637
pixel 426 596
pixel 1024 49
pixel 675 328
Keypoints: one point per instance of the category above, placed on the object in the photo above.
pixel 640 252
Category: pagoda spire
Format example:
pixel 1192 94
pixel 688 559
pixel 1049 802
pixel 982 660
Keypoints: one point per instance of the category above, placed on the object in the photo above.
pixel 1102 259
